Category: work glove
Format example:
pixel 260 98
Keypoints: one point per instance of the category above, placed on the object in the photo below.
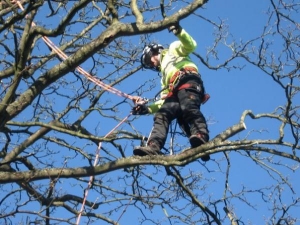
pixel 140 109
pixel 175 28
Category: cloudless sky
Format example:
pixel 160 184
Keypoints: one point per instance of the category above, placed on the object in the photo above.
pixel 232 92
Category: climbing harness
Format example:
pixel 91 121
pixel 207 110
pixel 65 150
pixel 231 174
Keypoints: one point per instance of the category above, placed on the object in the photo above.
pixel 180 74
pixel 174 85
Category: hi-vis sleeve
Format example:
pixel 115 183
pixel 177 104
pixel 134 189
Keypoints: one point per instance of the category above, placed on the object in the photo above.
pixel 185 45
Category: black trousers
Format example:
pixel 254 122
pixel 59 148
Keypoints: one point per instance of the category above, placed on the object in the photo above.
pixel 183 105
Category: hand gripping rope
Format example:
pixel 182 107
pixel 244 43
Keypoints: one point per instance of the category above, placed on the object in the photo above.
pixel 109 88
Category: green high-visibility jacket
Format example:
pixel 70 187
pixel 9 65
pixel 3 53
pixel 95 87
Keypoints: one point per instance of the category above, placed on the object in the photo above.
pixel 172 60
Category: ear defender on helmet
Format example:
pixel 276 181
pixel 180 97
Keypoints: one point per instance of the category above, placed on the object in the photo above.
pixel 148 52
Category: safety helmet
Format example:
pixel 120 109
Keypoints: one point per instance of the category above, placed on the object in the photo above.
pixel 148 52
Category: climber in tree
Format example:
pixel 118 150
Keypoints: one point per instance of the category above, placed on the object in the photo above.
pixel 181 96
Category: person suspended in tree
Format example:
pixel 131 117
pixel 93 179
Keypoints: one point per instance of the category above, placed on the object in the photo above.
pixel 181 96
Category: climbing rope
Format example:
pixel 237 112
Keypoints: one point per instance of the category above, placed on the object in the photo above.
pixel 95 163
pixel 109 88
pixel 63 56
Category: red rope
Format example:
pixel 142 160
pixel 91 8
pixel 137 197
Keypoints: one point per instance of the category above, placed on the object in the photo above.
pixel 63 56
pixel 109 88
pixel 86 192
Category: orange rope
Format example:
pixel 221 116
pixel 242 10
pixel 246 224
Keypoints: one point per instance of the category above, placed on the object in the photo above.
pixel 63 56
pixel 86 192
pixel 109 88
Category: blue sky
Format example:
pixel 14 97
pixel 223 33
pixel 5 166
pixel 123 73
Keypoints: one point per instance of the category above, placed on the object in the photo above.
pixel 231 92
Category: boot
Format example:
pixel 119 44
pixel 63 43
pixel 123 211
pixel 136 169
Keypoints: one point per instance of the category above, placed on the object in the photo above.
pixel 199 139
pixel 152 148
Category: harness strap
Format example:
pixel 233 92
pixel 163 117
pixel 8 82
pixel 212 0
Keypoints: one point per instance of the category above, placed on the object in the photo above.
pixel 183 71
pixel 174 81
pixel 205 97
